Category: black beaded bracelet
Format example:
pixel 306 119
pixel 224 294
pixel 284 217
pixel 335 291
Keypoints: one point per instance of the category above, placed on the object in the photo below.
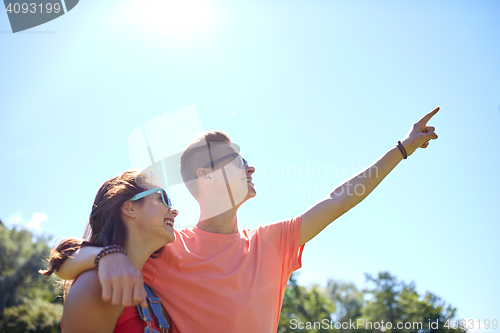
pixel 402 150
pixel 108 250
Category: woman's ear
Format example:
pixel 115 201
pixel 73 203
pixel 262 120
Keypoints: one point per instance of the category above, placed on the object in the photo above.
pixel 204 176
pixel 128 209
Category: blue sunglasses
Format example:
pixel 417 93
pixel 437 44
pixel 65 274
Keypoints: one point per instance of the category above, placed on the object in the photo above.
pixel 164 196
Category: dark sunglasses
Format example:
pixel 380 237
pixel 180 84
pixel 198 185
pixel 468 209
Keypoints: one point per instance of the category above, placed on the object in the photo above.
pixel 240 161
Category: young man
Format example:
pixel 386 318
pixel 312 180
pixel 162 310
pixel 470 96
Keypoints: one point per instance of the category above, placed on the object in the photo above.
pixel 215 277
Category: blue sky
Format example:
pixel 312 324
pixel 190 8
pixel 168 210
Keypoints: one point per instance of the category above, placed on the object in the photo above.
pixel 302 86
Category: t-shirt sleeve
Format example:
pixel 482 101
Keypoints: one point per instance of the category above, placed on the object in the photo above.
pixel 286 237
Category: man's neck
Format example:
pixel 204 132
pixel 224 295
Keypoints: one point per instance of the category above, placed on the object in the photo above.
pixel 225 223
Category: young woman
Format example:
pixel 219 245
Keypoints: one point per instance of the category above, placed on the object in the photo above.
pixel 129 214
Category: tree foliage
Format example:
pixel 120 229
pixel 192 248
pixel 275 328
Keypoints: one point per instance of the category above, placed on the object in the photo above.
pixel 385 299
pixel 347 298
pixel 304 305
pixel 28 301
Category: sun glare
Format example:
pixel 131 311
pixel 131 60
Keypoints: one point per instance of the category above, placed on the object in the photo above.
pixel 175 18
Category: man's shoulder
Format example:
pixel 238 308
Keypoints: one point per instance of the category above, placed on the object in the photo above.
pixel 271 228
pixel 281 224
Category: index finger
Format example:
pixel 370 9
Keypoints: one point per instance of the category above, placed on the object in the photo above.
pixel 143 303
pixel 428 116
pixel 139 293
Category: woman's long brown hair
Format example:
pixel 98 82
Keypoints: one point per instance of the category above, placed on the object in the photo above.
pixel 105 226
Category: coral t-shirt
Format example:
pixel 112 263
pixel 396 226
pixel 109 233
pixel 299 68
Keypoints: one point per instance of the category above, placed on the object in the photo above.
pixel 212 282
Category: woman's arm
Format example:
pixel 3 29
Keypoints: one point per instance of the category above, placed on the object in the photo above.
pixel 84 309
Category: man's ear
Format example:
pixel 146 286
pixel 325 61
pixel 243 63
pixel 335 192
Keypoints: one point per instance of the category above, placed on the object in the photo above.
pixel 203 176
pixel 128 209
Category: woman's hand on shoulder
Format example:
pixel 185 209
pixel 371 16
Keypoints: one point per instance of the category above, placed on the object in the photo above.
pixel 84 309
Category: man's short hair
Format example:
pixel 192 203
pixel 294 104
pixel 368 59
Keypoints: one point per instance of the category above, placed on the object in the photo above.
pixel 196 155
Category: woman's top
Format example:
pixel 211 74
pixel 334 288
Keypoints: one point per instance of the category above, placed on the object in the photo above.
pixel 129 322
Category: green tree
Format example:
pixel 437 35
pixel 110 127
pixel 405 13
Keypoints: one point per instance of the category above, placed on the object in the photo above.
pixel 28 301
pixel 385 299
pixel 304 305
pixel 396 302
pixel 384 305
pixel 348 301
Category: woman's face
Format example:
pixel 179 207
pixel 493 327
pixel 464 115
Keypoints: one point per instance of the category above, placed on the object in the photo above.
pixel 156 220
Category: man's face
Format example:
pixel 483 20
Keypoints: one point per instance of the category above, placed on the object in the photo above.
pixel 231 174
